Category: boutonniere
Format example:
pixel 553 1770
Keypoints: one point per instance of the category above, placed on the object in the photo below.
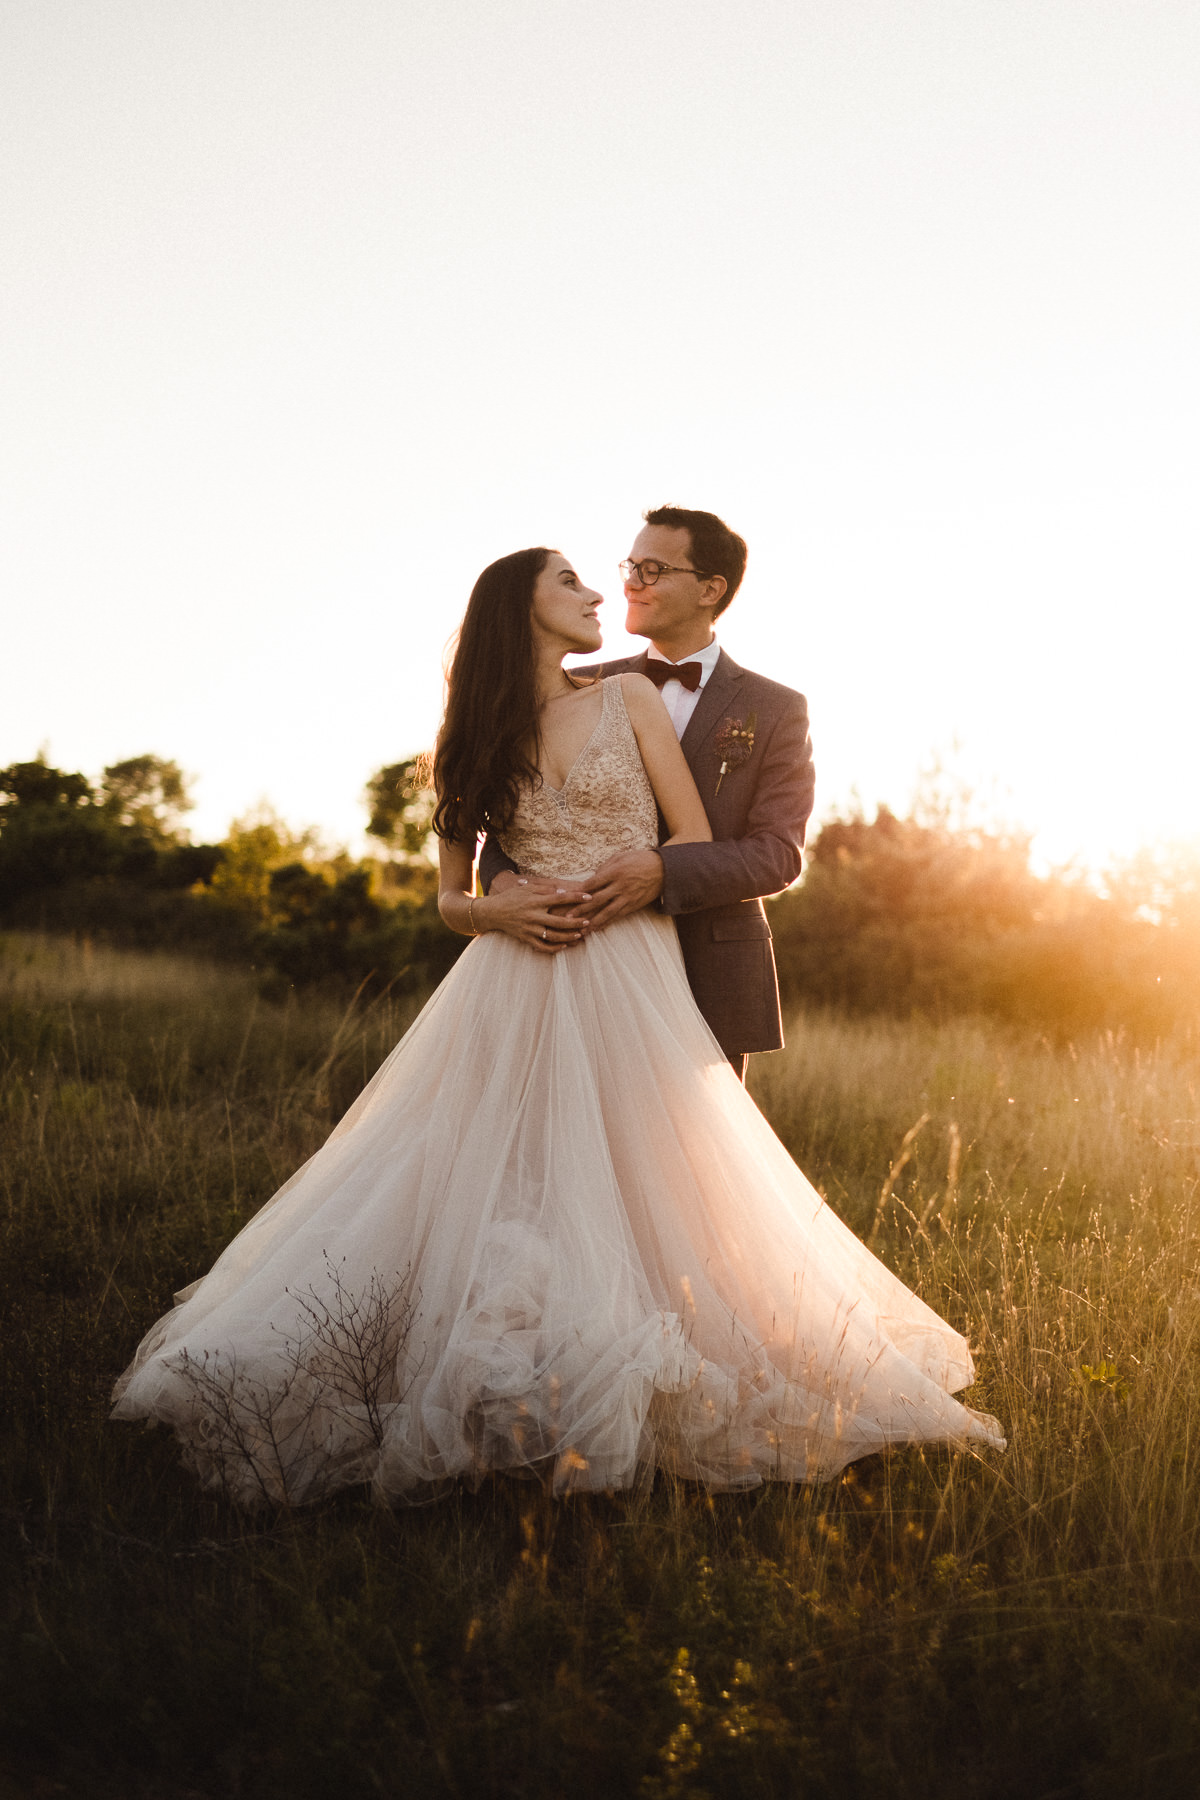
pixel 735 743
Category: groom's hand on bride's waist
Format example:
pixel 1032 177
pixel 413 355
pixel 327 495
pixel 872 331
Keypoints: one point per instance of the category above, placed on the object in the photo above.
pixel 541 912
pixel 623 885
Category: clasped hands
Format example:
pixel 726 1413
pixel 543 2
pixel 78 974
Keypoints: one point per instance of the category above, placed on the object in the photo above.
pixel 552 915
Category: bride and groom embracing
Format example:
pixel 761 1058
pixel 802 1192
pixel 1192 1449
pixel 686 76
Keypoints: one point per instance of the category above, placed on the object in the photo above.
pixel 745 740
pixel 554 1234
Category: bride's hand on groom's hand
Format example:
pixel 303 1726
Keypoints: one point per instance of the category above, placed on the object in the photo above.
pixel 537 911
pixel 623 885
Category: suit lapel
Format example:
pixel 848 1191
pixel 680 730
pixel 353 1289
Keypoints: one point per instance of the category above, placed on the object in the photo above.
pixel 716 698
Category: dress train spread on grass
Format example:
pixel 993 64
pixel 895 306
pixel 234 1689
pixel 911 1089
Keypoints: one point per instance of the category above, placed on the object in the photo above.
pixel 553 1234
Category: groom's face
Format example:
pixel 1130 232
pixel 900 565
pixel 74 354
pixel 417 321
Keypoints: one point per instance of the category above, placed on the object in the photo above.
pixel 678 602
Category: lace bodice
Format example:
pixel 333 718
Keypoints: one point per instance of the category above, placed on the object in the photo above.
pixel 605 805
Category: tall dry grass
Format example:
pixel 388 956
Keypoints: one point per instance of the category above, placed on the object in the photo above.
pixel 933 1623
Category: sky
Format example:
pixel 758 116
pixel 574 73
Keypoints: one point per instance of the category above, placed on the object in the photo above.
pixel 310 310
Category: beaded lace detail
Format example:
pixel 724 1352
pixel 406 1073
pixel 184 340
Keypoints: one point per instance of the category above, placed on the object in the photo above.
pixel 606 804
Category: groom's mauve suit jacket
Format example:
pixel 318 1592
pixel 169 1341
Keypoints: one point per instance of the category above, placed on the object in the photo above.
pixel 758 819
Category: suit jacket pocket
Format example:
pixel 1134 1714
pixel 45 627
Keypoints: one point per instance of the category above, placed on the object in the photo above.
pixel 737 927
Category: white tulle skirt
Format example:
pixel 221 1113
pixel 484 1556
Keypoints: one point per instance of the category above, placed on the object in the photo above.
pixel 555 1234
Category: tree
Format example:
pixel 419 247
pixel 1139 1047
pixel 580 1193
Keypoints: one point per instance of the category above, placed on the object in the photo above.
pixel 1160 882
pixel 256 846
pixel 401 800
pixel 324 922
pixel 51 831
pixel 37 784
pixel 148 795
pixel 57 830
pixel 897 915
pixel 893 914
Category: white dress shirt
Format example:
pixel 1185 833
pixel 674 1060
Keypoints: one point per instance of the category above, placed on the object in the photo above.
pixel 679 701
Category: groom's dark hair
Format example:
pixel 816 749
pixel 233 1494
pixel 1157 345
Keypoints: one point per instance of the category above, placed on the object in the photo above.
pixel 715 549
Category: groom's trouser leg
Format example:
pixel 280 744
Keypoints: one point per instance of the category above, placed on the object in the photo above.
pixel 738 1065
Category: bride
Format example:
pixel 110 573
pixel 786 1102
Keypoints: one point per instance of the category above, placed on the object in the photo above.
pixel 553 1234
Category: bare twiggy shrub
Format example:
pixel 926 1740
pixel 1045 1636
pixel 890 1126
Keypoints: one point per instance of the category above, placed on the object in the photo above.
pixel 313 1415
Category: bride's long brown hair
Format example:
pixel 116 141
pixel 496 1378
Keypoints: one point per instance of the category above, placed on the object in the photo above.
pixel 487 747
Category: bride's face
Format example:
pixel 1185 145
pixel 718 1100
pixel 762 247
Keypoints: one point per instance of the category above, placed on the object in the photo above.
pixel 564 611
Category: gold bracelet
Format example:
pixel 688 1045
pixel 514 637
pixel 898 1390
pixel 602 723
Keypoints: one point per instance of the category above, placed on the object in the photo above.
pixel 471 915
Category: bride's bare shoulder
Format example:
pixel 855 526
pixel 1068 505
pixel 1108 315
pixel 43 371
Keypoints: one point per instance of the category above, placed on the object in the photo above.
pixel 638 692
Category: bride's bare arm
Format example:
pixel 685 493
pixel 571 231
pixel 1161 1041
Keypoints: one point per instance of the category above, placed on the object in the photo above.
pixel 677 794
pixel 627 883
pixel 521 910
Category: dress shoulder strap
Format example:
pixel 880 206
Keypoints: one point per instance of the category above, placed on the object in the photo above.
pixel 614 714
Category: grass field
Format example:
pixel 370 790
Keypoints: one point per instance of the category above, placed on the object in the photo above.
pixel 931 1624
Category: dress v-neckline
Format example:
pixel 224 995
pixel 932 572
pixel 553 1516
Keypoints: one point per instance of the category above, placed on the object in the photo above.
pixel 558 792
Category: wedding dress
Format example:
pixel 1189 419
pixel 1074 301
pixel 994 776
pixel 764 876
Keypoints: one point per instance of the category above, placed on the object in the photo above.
pixel 554 1233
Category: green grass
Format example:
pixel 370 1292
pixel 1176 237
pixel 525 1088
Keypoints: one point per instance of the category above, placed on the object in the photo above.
pixel 934 1623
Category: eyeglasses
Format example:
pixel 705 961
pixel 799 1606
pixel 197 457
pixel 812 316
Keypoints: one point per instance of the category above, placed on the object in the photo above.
pixel 648 572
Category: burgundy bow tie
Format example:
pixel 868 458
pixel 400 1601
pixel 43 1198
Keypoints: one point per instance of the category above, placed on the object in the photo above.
pixel 662 672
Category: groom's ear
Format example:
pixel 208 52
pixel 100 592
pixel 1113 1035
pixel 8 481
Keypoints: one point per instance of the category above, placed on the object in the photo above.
pixel 714 591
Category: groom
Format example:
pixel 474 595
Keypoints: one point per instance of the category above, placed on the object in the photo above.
pixel 746 742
